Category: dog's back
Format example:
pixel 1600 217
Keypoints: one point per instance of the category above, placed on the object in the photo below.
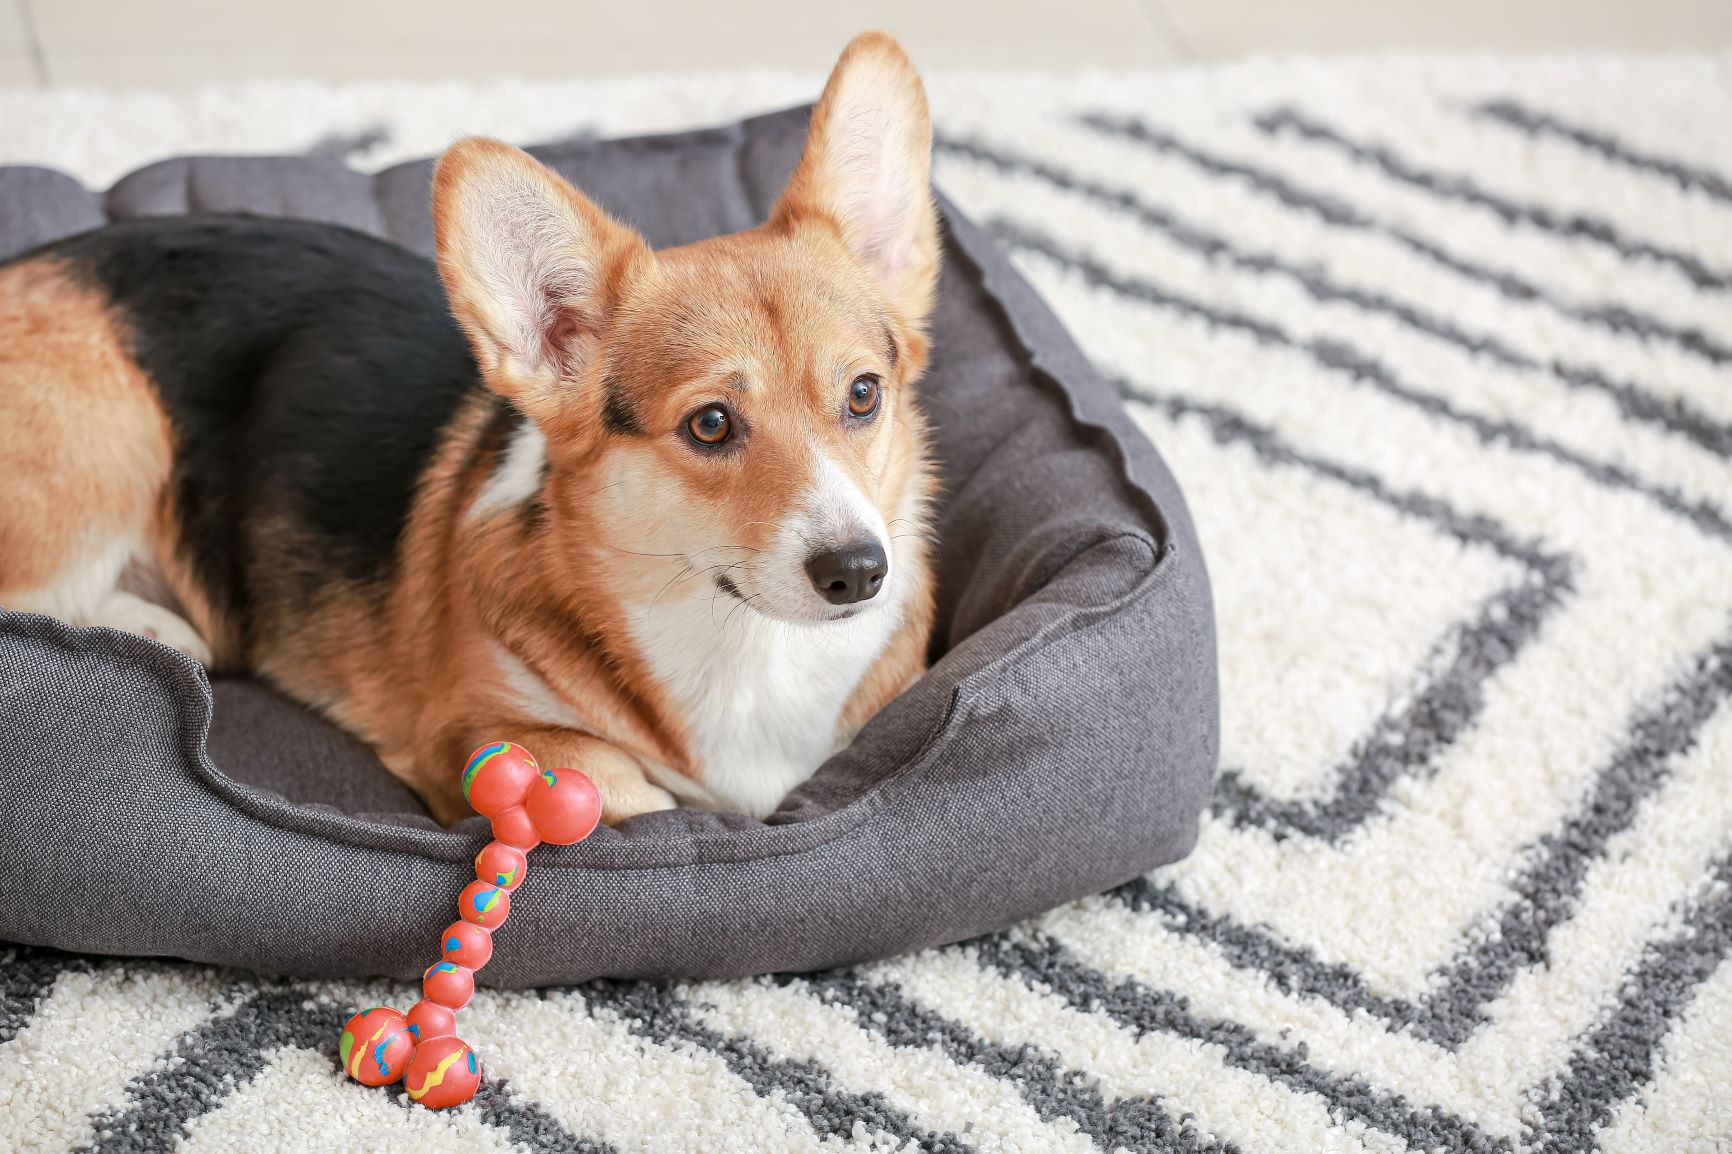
pixel 239 403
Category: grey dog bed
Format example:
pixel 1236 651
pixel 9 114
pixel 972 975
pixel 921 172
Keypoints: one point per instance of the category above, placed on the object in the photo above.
pixel 1064 740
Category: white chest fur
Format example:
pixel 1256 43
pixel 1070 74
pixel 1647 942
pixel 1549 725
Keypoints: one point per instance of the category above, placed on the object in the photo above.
pixel 761 699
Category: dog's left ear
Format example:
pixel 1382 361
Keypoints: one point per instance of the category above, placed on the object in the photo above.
pixel 866 171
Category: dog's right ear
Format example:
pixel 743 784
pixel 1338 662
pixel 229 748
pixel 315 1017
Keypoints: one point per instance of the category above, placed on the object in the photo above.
pixel 866 171
pixel 533 269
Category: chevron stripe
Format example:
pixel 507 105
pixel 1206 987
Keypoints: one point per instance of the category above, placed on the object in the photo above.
pixel 660 1015
pixel 1248 1097
pixel 1534 123
pixel 1619 1055
pixel 1432 716
pixel 204 1069
pixel 1057 1094
pixel 206 1064
pixel 266 1106
pixel 27 977
pixel 1573 226
pixel 1544 171
pixel 1271 181
pixel 1630 896
pixel 1046 963
pixel 951 1097
pixel 1684 1106
pixel 101 1028
pixel 616 1083
pixel 1546 893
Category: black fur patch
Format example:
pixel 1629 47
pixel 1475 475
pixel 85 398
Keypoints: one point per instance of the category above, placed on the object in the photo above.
pixel 308 371
pixel 490 451
pixel 503 423
pixel 617 415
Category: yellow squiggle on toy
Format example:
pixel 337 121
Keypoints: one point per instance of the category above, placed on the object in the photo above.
pixel 360 1052
pixel 438 1075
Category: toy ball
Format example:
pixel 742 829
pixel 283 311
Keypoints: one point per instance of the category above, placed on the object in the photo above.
pixel 484 904
pixel 442 1073
pixel 564 805
pixel 376 1046
pixel 448 984
pixel 428 1019
pixel 497 777
pixel 501 864
pixel 514 828
pixel 468 945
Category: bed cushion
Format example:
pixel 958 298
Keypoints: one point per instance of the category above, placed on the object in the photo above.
pixel 1064 740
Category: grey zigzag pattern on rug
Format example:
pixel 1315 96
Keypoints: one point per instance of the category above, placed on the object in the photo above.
pixel 1443 358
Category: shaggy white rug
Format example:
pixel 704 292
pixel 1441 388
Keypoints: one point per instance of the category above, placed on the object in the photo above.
pixel 1442 353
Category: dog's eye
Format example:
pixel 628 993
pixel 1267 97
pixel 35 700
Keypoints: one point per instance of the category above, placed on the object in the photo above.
pixel 863 396
pixel 710 426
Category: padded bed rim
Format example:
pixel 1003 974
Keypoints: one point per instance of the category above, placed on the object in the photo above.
pixel 189 685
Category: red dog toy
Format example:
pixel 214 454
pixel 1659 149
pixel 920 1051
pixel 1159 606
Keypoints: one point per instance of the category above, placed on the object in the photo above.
pixel 528 805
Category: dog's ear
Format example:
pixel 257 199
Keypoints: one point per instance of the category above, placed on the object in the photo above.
pixel 866 171
pixel 533 268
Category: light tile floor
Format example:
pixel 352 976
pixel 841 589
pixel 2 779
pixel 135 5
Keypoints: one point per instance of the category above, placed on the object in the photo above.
pixel 177 43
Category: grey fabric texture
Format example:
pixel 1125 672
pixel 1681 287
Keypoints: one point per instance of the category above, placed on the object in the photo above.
pixel 1064 740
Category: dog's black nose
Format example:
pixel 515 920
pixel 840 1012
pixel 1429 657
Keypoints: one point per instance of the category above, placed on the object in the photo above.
pixel 853 573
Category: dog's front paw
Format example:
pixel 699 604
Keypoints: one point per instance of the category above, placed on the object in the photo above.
pixel 618 776
pixel 622 798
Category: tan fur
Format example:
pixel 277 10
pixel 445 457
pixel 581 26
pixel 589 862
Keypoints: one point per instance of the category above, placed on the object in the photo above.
pixel 776 321
pixel 87 451
pixel 79 428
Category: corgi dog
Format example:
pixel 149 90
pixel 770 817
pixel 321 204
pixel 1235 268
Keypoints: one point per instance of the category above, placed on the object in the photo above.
pixel 659 516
